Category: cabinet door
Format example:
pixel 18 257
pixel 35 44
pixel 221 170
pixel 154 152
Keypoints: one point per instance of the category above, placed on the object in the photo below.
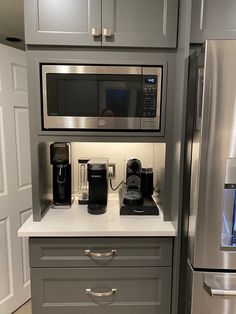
pixel 149 23
pixel 101 291
pixel 63 22
pixel 100 252
pixel 213 19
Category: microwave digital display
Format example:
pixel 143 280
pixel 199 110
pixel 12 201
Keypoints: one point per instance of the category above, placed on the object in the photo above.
pixel 150 80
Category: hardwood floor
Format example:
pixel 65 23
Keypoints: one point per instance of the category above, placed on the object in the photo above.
pixel 24 309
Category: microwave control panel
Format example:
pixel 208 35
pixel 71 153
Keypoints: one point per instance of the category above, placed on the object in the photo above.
pixel 149 109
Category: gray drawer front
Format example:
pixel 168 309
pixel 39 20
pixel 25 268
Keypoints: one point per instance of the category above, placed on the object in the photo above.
pixel 70 252
pixel 139 290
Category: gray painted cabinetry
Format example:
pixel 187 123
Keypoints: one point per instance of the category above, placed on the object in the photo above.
pixel 134 23
pixel 213 19
pixel 101 275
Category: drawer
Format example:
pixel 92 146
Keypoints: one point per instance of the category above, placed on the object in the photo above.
pixel 100 252
pixel 100 291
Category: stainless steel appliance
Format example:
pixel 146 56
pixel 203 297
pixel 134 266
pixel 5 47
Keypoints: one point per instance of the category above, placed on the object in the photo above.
pixel 60 160
pixel 83 97
pixel 98 185
pixel 211 153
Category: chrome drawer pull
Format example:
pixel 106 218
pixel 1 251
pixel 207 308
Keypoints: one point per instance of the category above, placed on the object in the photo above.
pixel 214 291
pixel 100 254
pixel 101 294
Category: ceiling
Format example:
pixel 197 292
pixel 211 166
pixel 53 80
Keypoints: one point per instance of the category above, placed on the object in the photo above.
pixel 12 22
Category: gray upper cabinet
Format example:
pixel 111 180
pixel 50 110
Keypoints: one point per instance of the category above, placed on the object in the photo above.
pixel 131 23
pixel 138 23
pixel 62 22
pixel 213 19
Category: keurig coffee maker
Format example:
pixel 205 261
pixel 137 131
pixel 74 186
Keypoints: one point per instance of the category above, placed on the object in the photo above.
pixel 60 160
pixel 98 185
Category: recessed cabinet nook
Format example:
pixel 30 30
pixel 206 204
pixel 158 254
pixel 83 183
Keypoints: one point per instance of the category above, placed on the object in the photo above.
pixel 82 263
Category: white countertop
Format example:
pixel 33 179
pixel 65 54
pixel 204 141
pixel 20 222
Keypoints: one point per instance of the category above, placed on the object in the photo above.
pixel 77 222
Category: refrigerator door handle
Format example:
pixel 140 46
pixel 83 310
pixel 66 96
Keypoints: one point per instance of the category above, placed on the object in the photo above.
pixel 213 289
pixel 199 97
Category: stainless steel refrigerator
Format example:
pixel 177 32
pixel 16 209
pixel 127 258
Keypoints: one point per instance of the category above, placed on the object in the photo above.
pixel 211 151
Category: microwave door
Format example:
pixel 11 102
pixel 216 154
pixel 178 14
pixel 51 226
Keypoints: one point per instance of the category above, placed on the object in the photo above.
pixel 120 96
pixel 119 100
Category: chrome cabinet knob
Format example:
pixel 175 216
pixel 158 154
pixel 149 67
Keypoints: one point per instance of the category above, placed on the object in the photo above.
pixel 107 32
pixel 95 31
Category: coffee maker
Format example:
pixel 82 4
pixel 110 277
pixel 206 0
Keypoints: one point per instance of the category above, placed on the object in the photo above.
pixel 133 195
pixel 97 169
pixel 136 195
pixel 60 161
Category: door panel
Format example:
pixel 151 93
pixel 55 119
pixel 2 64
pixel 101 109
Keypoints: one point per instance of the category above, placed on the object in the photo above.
pixel 203 302
pixel 213 145
pixel 150 23
pixel 15 178
pixel 137 290
pixel 205 25
pixel 5 261
pixel 63 22
pixel 22 147
pixel 2 157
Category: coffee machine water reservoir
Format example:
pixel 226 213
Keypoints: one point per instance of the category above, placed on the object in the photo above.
pixel 60 160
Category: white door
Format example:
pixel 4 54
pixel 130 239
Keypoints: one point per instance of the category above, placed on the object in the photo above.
pixel 15 179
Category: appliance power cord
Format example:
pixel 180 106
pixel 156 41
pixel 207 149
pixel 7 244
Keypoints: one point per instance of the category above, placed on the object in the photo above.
pixel 114 189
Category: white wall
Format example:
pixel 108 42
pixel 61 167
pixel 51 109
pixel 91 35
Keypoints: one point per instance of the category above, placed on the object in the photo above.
pixel 150 154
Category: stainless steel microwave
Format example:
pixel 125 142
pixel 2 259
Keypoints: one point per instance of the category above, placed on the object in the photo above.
pixel 89 97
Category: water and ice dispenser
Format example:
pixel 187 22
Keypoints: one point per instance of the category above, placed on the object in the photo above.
pixel 229 206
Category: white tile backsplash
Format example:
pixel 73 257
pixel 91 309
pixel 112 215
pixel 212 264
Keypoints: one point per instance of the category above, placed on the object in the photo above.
pixel 150 154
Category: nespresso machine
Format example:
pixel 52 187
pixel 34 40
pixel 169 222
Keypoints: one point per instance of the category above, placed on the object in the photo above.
pixel 60 161
pixel 136 195
pixel 133 195
pixel 97 169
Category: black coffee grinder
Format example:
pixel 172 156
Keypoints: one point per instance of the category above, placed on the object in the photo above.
pixel 60 160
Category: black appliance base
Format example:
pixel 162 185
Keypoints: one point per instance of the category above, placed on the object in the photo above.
pixel 97 209
pixel 149 207
pixel 62 205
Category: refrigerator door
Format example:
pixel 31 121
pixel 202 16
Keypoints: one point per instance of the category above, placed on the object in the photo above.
pixel 212 293
pixel 214 143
